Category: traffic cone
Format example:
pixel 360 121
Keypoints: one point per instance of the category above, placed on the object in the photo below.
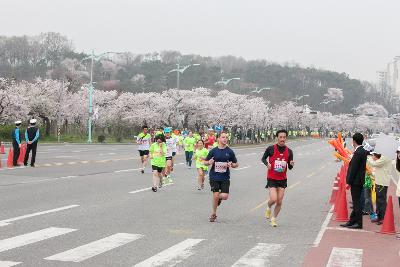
pixel 10 158
pixel 334 194
pixel 2 150
pixel 338 195
pixel 342 214
pixel 388 221
pixel 22 152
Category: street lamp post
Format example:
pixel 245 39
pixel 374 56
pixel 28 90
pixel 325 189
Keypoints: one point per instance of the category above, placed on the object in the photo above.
pixel 224 82
pixel 326 102
pixel 93 57
pixel 179 71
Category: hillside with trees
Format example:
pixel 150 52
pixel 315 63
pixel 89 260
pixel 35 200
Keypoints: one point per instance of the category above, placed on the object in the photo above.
pixel 52 56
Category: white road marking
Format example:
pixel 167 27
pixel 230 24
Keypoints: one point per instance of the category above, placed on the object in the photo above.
pixel 95 248
pixel 242 168
pixel 173 255
pixel 127 170
pixel 8 263
pixel 260 255
pixel 349 230
pixel 323 228
pixel 345 257
pixel 147 189
pixel 30 238
pixel 8 221
pixel 61 157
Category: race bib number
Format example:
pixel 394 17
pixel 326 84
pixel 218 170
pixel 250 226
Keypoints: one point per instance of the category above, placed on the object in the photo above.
pixel 280 165
pixel 221 167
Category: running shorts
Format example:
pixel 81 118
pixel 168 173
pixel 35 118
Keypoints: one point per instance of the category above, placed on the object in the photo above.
pixel 143 153
pixel 173 154
pixel 168 158
pixel 156 168
pixel 220 186
pixel 276 183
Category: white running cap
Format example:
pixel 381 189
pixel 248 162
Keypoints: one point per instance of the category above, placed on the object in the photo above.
pixel 32 121
pixel 18 122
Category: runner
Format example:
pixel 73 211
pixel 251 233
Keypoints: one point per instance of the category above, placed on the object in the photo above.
pixel 171 151
pixel 143 141
pixel 199 156
pixel 209 142
pixel 279 155
pixel 189 143
pixel 158 150
pixel 221 159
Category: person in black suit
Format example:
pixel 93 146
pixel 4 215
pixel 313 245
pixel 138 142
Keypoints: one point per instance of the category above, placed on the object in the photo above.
pixel 355 178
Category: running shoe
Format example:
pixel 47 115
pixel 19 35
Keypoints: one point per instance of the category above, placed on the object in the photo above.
pixel 213 218
pixel 268 213
pixel 161 184
pixel 202 186
pixel 198 188
pixel 154 189
pixel 273 222
pixel 142 171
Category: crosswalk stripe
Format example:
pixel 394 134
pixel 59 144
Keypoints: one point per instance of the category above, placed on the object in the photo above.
pixel 8 263
pixel 260 255
pixel 95 248
pixel 8 221
pixel 345 257
pixel 173 255
pixel 30 238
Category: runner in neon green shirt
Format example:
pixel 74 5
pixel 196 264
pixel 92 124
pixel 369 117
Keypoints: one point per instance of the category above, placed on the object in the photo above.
pixel 158 150
pixel 199 156
pixel 189 143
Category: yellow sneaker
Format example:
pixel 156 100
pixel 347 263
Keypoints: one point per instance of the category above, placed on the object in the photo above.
pixel 268 213
pixel 273 222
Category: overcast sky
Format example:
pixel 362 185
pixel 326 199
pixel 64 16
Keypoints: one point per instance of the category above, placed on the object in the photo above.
pixel 354 36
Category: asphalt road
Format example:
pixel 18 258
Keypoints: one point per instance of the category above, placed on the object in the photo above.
pixel 88 205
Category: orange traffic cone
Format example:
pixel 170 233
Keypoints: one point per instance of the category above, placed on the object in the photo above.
pixel 2 150
pixel 21 157
pixel 334 194
pixel 388 221
pixel 338 195
pixel 342 214
pixel 10 158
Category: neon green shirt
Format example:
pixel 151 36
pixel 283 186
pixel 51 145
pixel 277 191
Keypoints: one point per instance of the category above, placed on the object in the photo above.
pixel 189 143
pixel 200 155
pixel 157 155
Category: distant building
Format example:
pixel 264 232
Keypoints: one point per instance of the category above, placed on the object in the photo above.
pixel 392 77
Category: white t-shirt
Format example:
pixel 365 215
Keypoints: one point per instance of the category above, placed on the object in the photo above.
pixel 171 146
pixel 143 141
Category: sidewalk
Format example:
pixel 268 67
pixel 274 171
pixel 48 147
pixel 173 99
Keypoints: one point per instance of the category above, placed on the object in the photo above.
pixel 346 247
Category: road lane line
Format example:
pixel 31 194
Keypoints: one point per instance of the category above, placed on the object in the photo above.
pixel 95 248
pixel 323 228
pixel 8 221
pixel 294 185
pixel 8 263
pixel 345 257
pixel 349 230
pixel 127 170
pixel 173 255
pixel 147 189
pixel 30 238
pixel 260 255
pixel 242 168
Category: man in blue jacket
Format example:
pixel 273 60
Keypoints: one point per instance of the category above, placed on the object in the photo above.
pixel 16 142
pixel 31 137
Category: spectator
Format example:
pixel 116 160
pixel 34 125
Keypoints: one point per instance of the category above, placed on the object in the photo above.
pixel 381 165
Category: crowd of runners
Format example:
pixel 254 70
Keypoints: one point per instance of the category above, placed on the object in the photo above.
pixel 213 157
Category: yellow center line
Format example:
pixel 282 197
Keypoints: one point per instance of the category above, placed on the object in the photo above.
pixel 289 187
